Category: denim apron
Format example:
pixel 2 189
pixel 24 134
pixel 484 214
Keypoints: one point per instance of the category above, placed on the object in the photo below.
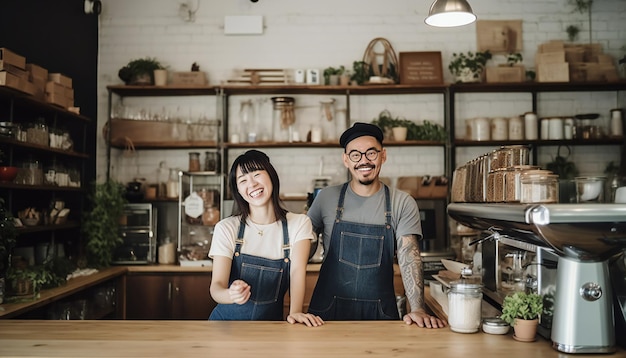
pixel 268 280
pixel 356 278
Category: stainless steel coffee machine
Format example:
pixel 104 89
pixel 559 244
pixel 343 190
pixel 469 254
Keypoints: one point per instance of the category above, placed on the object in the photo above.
pixel 589 240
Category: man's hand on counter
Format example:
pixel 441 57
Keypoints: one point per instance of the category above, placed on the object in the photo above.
pixel 423 319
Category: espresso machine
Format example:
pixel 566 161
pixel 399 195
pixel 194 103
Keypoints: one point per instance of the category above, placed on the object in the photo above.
pixel 589 241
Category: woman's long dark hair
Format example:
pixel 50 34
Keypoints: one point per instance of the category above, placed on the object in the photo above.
pixel 251 161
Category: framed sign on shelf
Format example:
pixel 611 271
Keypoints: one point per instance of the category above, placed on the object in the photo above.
pixel 421 68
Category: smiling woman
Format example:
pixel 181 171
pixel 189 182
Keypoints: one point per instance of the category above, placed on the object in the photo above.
pixel 262 237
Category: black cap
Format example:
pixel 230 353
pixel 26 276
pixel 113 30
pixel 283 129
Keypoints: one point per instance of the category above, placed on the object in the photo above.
pixel 360 129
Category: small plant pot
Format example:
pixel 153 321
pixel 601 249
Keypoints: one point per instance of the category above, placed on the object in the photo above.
pixel 399 133
pixel 160 77
pixel 525 330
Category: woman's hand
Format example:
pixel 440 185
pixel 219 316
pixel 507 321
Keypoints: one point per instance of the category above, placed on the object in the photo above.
pixel 310 320
pixel 239 292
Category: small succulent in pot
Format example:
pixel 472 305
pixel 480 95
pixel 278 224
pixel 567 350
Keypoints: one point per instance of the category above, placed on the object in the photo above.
pixel 140 71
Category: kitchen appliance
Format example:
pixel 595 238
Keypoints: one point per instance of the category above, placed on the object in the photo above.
pixel 589 242
pixel 138 230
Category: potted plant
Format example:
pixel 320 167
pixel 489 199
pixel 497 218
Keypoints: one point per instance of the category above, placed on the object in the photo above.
pixel 101 222
pixel 469 67
pixel 360 72
pixel 521 310
pixel 140 71
pixel 331 75
pixel 427 131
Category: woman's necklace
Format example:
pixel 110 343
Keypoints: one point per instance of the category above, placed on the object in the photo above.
pixel 253 225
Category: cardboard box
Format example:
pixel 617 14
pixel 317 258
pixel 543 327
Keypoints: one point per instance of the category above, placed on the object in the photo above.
pixel 36 71
pixel 575 54
pixel 508 74
pixel 60 78
pixel 416 187
pixel 550 57
pixel 12 58
pixel 55 93
pixel 552 46
pixel 197 78
pixel 28 87
pixel 9 80
pixel 553 72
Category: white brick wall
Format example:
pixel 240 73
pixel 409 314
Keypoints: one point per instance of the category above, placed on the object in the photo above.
pixel 322 33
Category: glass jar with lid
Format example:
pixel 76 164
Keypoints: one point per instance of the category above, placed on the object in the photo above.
pixel 328 120
pixel 465 305
pixel 539 186
pixel 512 184
pixel 284 118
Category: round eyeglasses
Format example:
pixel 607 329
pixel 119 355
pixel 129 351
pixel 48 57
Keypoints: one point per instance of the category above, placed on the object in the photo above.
pixel 370 154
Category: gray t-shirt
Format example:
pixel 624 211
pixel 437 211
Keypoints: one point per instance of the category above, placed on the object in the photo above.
pixel 405 216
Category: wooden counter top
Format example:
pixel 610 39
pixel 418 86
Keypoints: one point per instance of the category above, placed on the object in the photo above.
pixel 254 339
pixel 8 310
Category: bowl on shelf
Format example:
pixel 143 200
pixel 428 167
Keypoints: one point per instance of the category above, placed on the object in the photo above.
pixel 30 221
pixel 8 174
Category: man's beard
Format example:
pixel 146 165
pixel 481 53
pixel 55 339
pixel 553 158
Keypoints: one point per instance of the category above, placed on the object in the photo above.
pixel 368 182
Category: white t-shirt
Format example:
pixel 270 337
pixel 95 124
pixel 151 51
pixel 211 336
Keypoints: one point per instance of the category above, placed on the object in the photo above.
pixel 269 245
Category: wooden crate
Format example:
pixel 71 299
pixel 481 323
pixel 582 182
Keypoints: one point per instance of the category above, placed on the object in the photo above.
pixel 143 133
pixel 549 57
pixel 194 78
pixel 508 74
pixel 12 58
pixel 553 72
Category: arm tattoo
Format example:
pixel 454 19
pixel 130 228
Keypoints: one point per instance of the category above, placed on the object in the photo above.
pixel 411 269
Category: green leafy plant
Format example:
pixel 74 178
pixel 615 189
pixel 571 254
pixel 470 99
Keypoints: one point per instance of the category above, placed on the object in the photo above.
pixel 52 273
pixel 332 71
pixel 521 305
pixel 469 64
pixel 140 68
pixel 514 58
pixel 572 32
pixel 361 72
pixel 583 6
pixel 426 131
pixel 101 222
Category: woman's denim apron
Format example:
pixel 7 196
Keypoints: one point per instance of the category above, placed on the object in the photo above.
pixel 268 280
pixel 356 278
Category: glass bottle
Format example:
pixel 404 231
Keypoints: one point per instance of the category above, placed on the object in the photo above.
pixel 247 125
pixel 172 184
pixel 212 162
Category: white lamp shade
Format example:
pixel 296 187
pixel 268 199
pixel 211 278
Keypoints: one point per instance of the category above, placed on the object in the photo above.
pixel 450 13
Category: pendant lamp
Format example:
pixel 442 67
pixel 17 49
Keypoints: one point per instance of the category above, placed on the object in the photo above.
pixel 450 13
